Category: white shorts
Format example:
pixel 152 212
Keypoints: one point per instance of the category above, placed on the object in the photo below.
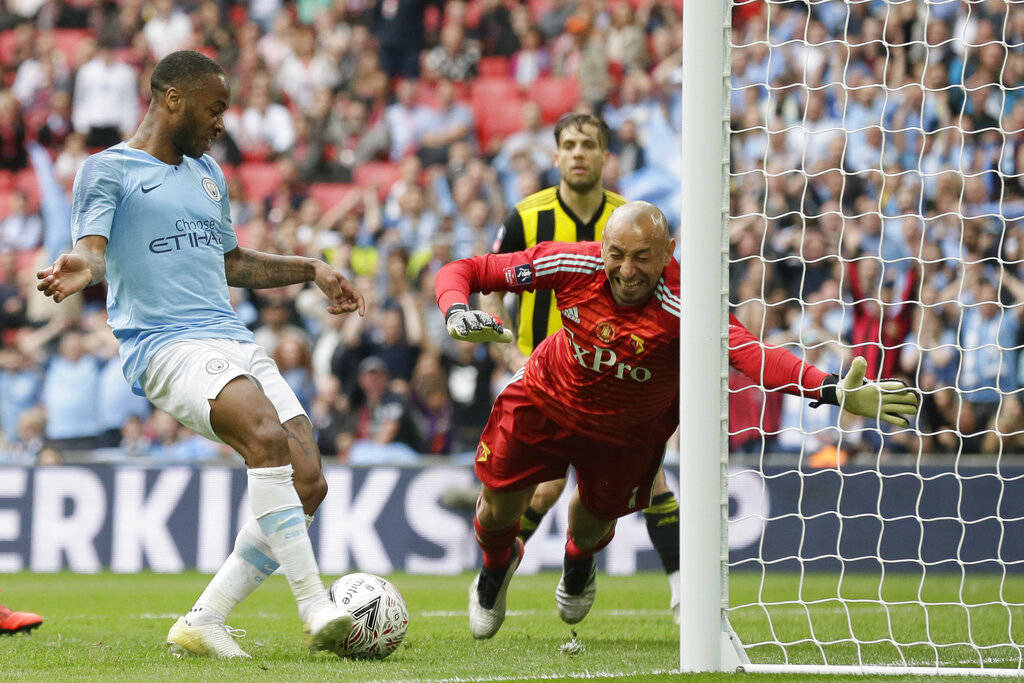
pixel 184 376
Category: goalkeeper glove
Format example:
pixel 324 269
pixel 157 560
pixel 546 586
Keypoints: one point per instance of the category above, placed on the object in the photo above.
pixel 888 399
pixel 474 326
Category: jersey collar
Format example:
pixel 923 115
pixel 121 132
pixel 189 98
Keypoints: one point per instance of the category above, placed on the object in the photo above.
pixel 580 225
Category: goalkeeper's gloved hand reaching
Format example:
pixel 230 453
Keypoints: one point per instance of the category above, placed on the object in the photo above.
pixel 474 326
pixel 887 399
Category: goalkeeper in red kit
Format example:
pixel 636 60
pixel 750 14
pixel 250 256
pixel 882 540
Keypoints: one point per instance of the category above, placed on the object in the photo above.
pixel 601 394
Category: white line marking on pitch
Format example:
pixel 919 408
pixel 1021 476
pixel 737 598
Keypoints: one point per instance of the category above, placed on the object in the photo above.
pixel 429 614
pixel 536 612
pixel 547 677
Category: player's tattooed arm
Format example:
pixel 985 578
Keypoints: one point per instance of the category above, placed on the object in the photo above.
pixel 258 270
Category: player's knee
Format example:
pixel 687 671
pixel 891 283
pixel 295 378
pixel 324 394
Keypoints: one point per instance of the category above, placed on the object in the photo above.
pixel 586 539
pixel 498 509
pixel 546 495
pixel 267 444
pixel 312 490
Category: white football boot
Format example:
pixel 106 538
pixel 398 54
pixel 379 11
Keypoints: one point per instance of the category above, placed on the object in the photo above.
pixel 487 596
pixel 576 590
pixel 673 584
pixel 328 627
pixel 207 640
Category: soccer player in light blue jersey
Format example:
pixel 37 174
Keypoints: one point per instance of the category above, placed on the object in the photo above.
pixel 151 216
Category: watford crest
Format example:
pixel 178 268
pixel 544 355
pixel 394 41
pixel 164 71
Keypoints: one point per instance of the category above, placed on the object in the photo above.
pixel 637 344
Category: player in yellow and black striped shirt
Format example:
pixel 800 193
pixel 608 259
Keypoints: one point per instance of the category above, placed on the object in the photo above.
pixel 576 210
pixel 546 216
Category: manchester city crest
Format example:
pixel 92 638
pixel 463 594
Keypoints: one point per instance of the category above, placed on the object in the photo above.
pixel 211 189
pixel 215 366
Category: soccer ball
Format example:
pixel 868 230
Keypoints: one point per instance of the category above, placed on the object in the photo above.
pixel 381 617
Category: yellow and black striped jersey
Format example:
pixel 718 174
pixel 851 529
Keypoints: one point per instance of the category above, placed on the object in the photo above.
pixel 544 217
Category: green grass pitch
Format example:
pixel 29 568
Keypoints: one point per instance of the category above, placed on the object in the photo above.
pixel 112 627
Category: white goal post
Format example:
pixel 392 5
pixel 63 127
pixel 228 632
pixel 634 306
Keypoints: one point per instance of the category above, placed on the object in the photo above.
pixel 704 646
pixel 940 588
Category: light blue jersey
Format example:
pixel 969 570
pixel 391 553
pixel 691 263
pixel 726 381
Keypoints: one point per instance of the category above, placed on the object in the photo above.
pixel 167 229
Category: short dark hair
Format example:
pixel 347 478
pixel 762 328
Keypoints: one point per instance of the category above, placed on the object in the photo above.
pixel 184 70
pixel 580 120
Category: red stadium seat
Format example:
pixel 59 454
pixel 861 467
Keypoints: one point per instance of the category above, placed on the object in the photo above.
pixel 539 8
pixel 6 181
pixel 28 259
pixel 381 174
pixel 493 67
pixel 329 195
pixel 259 180
pixel 474 10
pixel 237 15
pixel 69 40
pixel 8 40
pixel 497 119
pixel 493 90
pixel 426 92
pixel 5 204
pixel 432 19
pixel 256 155
pixel 555 95
pixel 25 181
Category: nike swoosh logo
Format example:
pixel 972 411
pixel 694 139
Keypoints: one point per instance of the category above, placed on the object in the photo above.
pixel 150 189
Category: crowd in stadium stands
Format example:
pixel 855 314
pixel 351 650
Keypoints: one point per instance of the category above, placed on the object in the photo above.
pixel 385 137
pixel 390 137
pixel 889 135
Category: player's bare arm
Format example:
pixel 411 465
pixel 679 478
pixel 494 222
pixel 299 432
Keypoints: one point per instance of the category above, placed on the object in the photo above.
pixel 258 270
pixel 72 272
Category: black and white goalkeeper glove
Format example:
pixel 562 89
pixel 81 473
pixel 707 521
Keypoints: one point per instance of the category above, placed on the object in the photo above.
pixel 887 399
pixel 474 326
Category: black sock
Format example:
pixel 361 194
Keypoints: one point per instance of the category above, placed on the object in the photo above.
pixel 663 526
pixel 528 523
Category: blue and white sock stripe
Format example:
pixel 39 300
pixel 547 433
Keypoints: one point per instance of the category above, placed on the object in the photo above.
pixel 669 301
pixel 258 559
pixel 281 519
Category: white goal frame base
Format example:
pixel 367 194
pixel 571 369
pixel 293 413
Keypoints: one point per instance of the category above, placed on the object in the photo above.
pixel 734 657
pixel 878 670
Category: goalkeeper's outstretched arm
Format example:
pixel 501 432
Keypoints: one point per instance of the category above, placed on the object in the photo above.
pixel 776 368
pixel 508 272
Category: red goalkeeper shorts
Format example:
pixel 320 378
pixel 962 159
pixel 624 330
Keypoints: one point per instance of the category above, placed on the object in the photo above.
pixel 520 447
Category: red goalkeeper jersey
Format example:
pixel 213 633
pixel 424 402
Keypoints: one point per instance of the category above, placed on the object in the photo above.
pixel 611 372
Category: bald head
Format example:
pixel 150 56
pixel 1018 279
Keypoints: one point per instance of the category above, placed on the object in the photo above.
pixel 636 246
pixel 641 218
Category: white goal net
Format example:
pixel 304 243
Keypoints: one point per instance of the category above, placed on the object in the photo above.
pixel 876 202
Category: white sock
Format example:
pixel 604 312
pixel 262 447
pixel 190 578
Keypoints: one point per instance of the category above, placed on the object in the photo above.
pixel 673 586
pixel 277 509
pixel 247 567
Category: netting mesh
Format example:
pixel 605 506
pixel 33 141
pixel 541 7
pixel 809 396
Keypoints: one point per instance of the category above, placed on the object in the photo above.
pixel 876 200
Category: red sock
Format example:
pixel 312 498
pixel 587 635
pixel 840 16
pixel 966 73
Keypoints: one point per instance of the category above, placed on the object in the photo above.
pixel 574 552
pixel 496 543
